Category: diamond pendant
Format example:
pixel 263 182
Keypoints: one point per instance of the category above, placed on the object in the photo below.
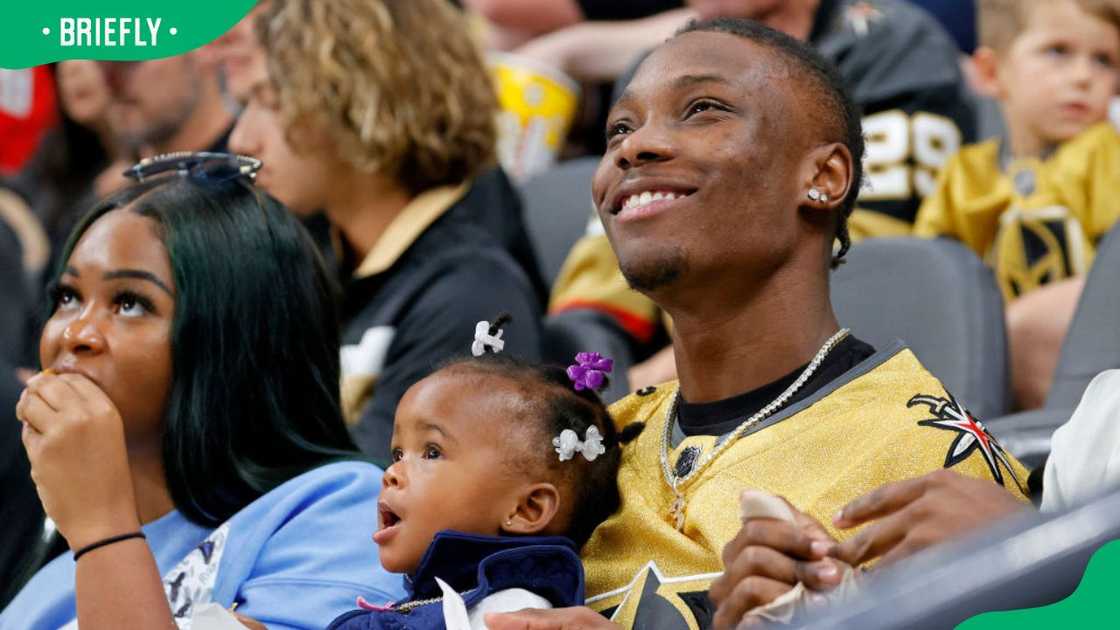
pixel 687 461
pixel 676 511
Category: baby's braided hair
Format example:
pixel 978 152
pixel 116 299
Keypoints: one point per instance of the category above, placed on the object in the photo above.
pixel 556 405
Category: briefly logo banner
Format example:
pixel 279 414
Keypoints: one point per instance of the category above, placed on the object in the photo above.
pixel 1090 606
pixel 111 30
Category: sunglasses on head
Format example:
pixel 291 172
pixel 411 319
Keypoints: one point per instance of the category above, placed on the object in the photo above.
pixel 200 165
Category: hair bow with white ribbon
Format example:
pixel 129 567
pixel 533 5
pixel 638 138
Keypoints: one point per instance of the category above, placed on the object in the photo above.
pixel 568 444
pixel 484 341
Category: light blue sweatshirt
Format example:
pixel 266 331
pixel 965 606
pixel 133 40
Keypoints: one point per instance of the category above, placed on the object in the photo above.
pixel 297 557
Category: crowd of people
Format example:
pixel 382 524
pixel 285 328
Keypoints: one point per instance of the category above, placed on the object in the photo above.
pixel 286 299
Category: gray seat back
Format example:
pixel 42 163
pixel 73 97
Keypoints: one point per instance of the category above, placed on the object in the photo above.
pixel 939 298
pixel 557 206
pixel 1092 344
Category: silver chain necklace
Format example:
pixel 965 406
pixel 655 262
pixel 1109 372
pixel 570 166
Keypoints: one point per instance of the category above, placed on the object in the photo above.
pixel 676 511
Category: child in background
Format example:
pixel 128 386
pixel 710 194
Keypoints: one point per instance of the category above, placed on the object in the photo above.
pixel 1036 203
pixel 501 470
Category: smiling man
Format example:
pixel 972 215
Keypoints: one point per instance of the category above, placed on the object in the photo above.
pixel 900 68
pixel 732 164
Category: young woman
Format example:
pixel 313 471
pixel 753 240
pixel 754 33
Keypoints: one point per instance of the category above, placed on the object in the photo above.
pixel 190 396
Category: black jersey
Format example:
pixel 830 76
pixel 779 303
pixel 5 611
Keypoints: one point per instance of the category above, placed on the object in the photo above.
pixel 903 71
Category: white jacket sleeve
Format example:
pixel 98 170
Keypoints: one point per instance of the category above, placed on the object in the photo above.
pixel 1085 452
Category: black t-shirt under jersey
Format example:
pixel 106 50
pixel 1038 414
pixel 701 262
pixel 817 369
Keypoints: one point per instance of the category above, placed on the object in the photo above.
pixel 722 416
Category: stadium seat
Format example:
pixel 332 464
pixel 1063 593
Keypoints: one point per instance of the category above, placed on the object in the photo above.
pixel 939 298
pixel 558 207
pixel 1092 346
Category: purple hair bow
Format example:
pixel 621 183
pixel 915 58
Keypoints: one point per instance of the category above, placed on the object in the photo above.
pixel 590 371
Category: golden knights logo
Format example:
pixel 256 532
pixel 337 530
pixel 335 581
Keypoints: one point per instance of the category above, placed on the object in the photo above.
pixel 971 435
pixel 655 601
pixel 1038 246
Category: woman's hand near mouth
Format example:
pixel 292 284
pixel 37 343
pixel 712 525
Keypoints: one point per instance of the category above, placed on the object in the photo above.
pixel 72 431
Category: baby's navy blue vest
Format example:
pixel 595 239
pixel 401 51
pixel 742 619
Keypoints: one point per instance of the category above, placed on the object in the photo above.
pixel 476 567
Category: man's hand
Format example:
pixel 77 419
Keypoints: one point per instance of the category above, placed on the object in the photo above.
pixel 554 619
pixel 917 513
pixel 767 558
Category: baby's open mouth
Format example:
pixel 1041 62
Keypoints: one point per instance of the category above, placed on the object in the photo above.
pixel 388 523
pixel 387 517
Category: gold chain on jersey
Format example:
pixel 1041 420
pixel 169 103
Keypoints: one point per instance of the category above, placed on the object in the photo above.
pixel 676 511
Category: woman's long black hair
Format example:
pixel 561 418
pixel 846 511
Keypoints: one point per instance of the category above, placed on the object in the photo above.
pixel 255 394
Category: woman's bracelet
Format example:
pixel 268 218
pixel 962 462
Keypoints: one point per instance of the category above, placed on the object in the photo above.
pixel 107 541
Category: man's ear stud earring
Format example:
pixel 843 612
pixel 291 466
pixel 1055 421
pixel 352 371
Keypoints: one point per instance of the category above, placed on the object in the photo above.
pixel 816 195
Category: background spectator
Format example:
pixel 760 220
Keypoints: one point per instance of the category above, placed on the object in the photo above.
pixel 240 55
pixel 27 111
pixel 390 135
pixel 172 104
pixel 1036 203
pixel 79 160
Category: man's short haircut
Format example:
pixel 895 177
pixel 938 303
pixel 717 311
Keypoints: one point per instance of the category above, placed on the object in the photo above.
pixel 1001 21
pixel 398 86
pixel 839 115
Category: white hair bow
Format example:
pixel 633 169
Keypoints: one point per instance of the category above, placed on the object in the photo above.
pixel 484 341
pixel 568 444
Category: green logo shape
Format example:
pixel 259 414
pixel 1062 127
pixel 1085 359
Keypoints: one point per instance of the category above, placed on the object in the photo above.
pixel 111 30
pixel 1090 606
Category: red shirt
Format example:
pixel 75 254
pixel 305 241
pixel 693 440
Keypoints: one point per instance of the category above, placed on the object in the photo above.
pixel 27 110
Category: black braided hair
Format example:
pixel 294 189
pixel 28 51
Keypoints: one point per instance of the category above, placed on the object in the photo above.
pixel 557 406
